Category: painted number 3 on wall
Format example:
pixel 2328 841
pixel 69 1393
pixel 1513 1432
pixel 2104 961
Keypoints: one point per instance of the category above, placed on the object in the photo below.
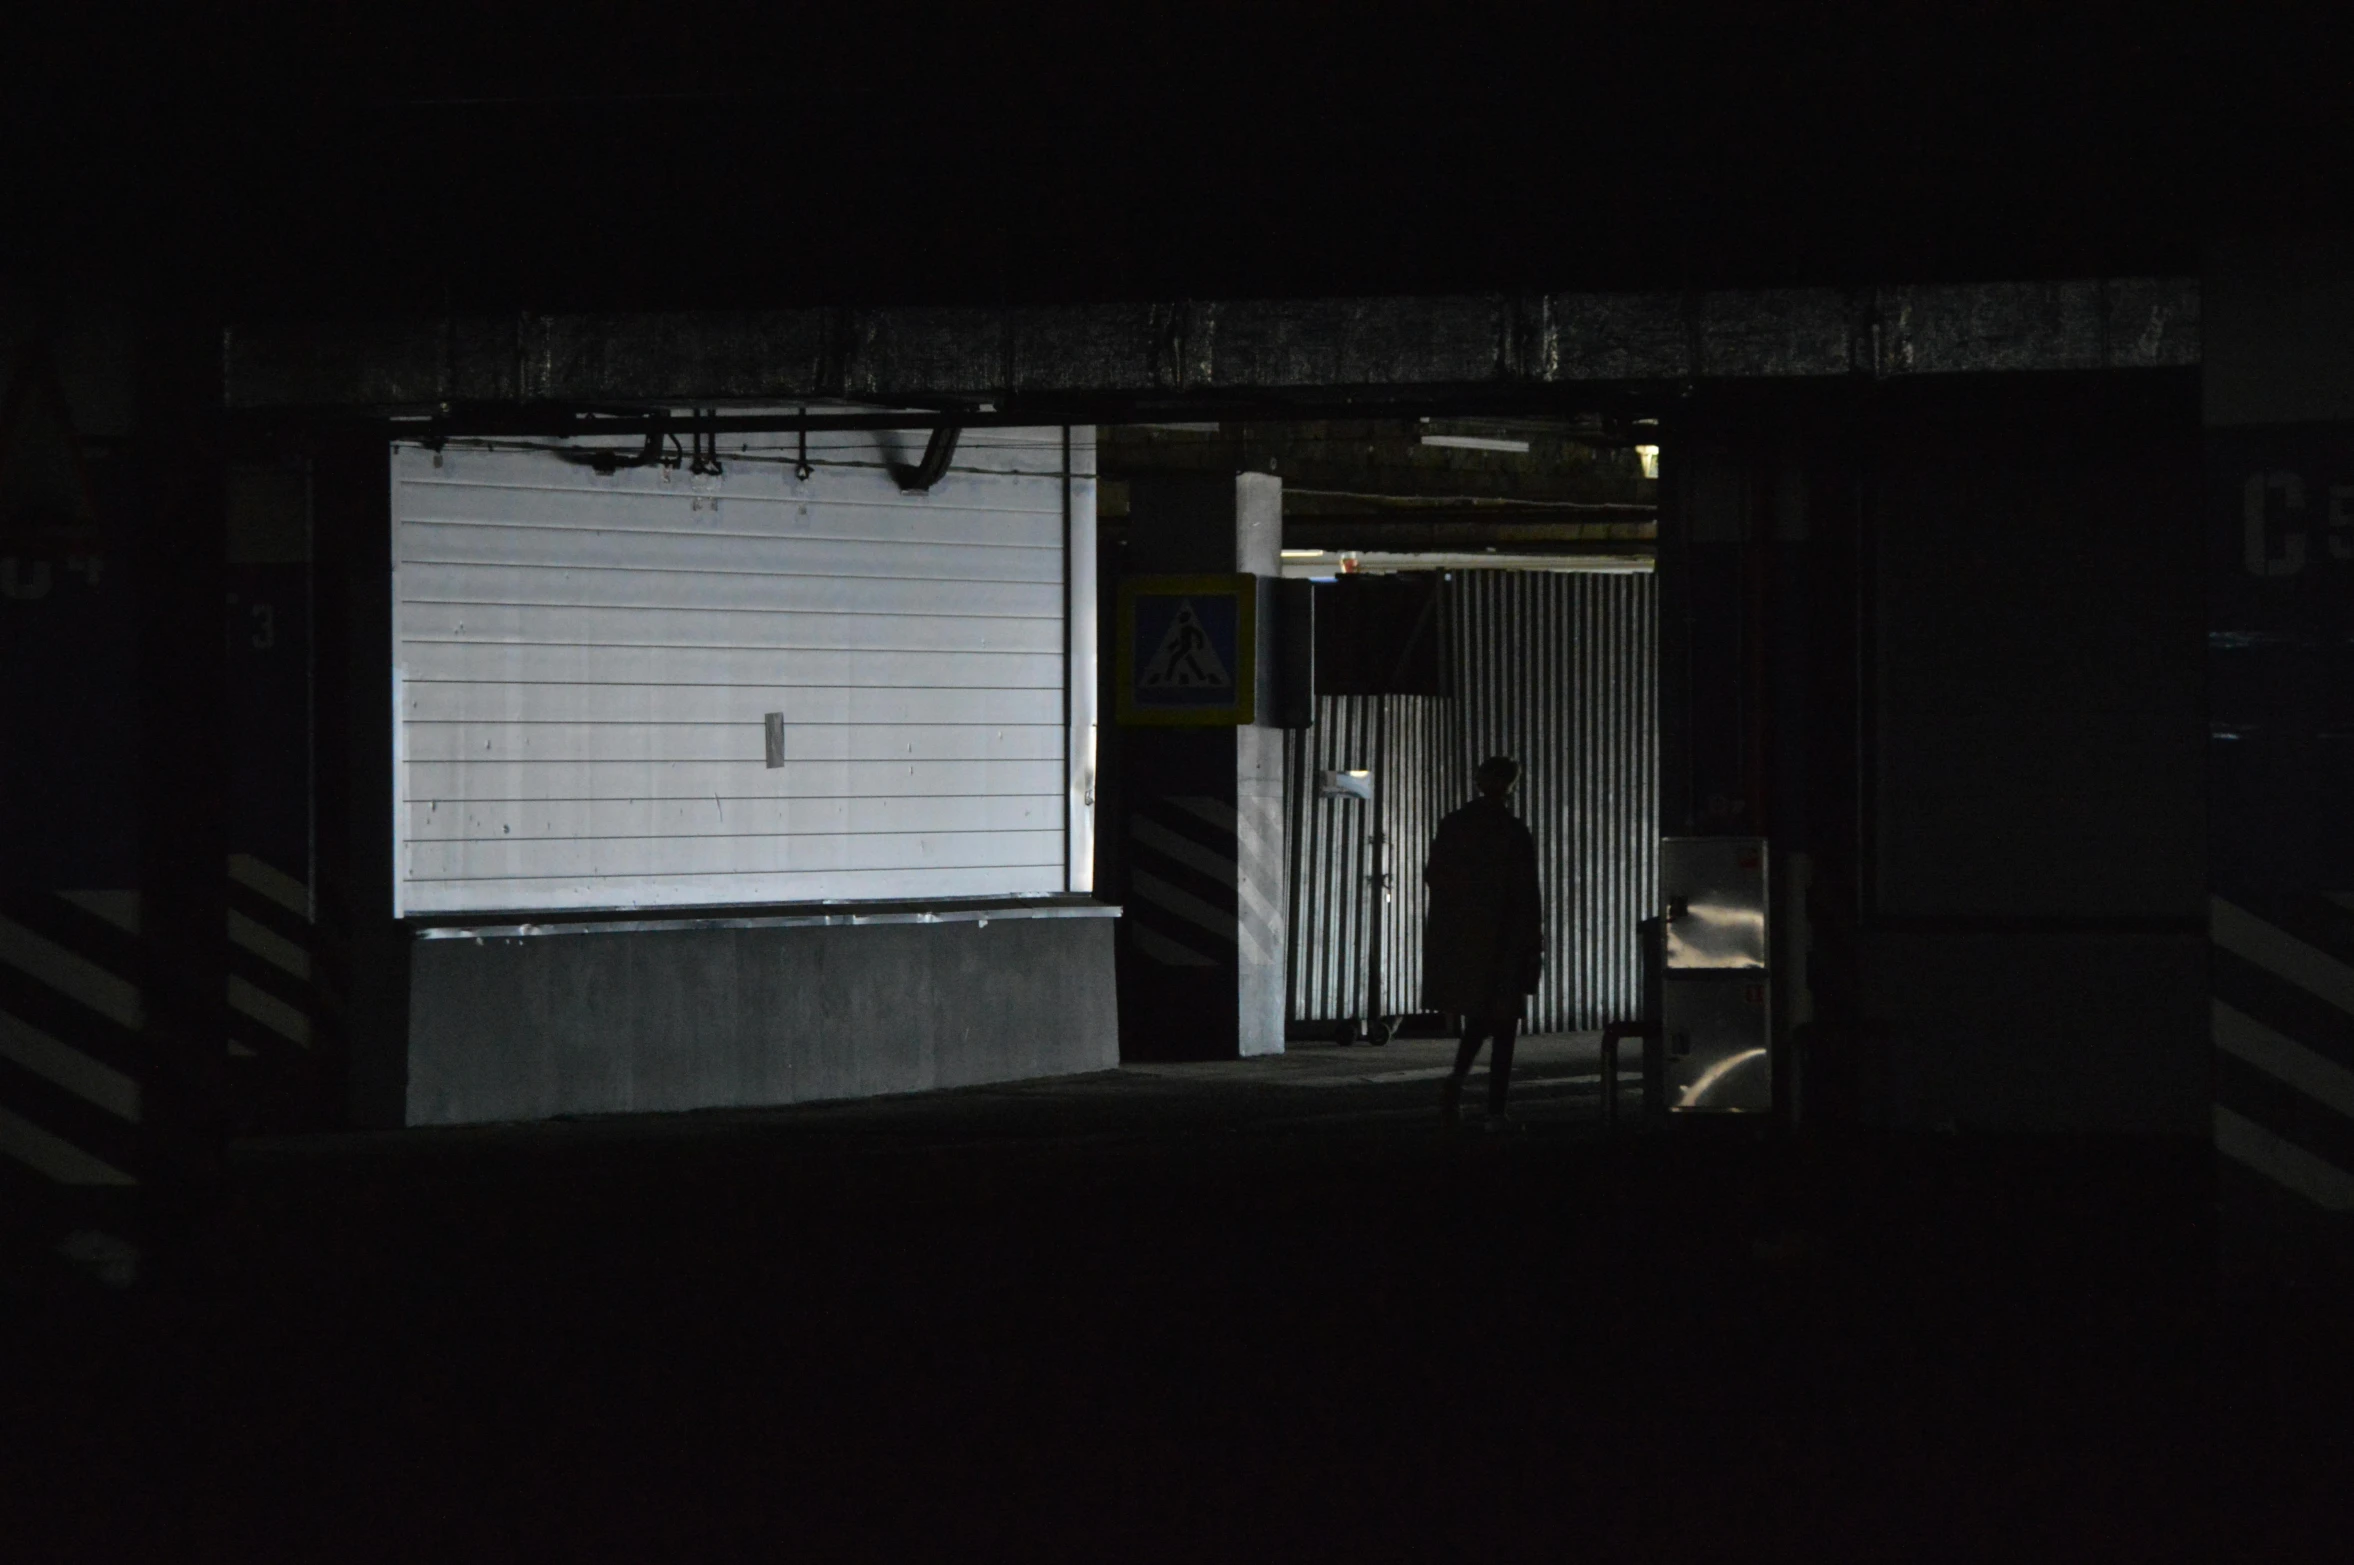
pixel 2274 524
pixel 261 624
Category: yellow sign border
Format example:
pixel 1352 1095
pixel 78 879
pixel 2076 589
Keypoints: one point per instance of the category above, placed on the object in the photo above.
pixel 1244 589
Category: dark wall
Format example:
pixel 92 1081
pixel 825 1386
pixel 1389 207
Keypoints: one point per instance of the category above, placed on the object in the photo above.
pixel 75 515
pixel 69 769
pixel 2033 950
pixel 2279 390
pixel 1155 152
pixel 183 759
pixel 269 665
pixel 1946 644
pixel 1713 546
pixel 2039 685
pixel 525 1028
pixel 2084 1030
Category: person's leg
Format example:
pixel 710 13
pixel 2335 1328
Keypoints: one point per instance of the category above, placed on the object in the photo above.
pixel 1474 1033
pixel 1451 1095
pixel 1500 1065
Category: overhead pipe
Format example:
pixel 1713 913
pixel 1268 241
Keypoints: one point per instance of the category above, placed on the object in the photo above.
pixel 919 477
pixel 608 462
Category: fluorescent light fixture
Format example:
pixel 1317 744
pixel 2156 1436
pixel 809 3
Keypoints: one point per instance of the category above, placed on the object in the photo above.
pixel 1650 456
pixel 1378 564
pixel 1477 443
pixel 1303 554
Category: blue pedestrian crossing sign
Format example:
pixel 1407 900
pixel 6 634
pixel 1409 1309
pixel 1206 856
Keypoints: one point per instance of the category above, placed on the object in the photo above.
pixel 1187 652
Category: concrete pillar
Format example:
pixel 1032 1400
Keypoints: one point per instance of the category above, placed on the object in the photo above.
pixel 2278 383
pixel 183 769
pixel 1202 942
pixel 363 953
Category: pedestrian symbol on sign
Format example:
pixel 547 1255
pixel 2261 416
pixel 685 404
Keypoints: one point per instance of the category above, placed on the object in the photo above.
pixel 1185 659
pixel 1188 649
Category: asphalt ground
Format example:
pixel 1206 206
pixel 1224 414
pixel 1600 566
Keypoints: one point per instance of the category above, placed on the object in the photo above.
pixel 1259 1309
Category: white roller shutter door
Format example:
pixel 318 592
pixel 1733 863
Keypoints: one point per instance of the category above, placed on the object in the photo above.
pixel 584 665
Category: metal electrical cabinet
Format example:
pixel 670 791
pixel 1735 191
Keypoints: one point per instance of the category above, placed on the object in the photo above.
pixel 1715 978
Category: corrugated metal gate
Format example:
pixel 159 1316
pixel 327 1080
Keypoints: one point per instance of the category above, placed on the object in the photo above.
pixel 1556 669
pixel 1356 866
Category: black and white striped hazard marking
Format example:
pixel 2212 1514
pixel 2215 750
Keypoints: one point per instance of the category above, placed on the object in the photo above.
pixel 71 1014
pixel 1192 899
pixel 2283 1010
pixel 270 988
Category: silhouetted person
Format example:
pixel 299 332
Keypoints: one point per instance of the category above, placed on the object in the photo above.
pixel 1484 943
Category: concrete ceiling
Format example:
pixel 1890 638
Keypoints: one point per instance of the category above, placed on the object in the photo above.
pixel 354 159
pixel 1381 487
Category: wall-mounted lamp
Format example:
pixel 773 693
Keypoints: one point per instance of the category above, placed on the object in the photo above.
pixel 1650 456
pixel 1345 785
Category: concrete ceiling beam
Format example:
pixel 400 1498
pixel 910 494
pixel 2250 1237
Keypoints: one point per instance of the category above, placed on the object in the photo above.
pixel 1203 351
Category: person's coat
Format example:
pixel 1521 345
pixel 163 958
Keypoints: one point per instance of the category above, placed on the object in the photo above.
pixel 1484 941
